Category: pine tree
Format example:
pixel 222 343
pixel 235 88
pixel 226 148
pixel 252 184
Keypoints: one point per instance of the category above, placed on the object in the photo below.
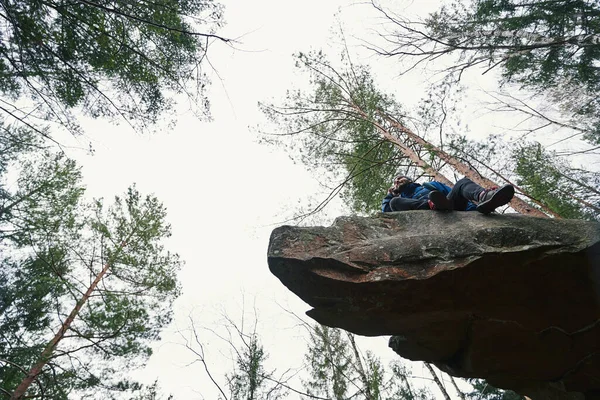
pixel 547 47
pixel 350 130
pixel 86 288
pixel 338 370
pixel 250 380
pixel 118 59
pixel 570 192
pixel 329 364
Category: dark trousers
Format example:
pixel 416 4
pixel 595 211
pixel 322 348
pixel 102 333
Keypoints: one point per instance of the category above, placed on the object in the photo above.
pixel 464 191
pixel 406 204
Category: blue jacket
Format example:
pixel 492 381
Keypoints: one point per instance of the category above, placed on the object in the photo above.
pixel 417 191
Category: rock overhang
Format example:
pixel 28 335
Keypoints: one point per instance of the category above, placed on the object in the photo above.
pixel 481 296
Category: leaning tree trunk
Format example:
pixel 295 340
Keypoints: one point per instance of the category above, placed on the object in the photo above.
pixel 34 372
pixel 437 381
pixel 361 371
pixel 516 203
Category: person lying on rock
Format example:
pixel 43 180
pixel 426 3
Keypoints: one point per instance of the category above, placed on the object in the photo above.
pixel 466 195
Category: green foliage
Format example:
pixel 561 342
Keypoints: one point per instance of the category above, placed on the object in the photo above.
pixel 550 47
pixel 570 192
pixel 250 380
pixel 108 58
pixel 150 392
pixel 329 363
pixel 24 315
pixel 53 245
pixel 543 175
pixel 484 391
pixel 325 129
pixel 400 387
pixel 337 370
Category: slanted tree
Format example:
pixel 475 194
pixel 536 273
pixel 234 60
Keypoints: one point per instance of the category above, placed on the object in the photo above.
pixel 348 129
pixel 87 287
pixel 333 130
pixel 559 188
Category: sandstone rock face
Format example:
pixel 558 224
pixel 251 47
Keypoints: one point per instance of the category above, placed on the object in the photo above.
pixel 509 298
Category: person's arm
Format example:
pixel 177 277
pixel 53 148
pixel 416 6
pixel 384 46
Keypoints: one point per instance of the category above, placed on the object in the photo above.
pixel 385 204
pixel 435 185
pixel 409 190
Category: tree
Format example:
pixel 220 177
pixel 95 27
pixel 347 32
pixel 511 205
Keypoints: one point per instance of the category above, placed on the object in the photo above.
pixel 401 388
pixel 332 139
pixel 356 134
pixel 86 288
pixel 555 184
pixel 119 59
pixel 339 371
pixel 569 191
pixel 249 378
pixel 150 392
pixel 549 47
pixel 332 129
pixel 329 364
pixel 484 391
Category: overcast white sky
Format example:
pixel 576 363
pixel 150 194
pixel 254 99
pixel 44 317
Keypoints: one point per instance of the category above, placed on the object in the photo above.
pixel 223 190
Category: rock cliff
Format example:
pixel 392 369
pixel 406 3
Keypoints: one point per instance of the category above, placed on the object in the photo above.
pixel 508 298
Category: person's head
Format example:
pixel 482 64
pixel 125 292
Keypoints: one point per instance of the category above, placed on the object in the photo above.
pixel 401 180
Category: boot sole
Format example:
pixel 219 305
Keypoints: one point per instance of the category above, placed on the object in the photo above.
pixel 440 201
pixel 501 197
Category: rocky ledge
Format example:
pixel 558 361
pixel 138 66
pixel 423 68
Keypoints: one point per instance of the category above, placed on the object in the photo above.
pixel 508 298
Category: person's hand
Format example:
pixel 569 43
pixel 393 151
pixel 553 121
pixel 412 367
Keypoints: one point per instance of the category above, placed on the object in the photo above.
pixel 393 191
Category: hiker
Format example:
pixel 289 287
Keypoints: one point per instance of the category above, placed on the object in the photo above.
pixel 466 195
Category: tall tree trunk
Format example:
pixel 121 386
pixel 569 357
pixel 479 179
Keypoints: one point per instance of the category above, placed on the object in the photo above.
pixel 458 391
pixel 516 203
pixel 33 373
pixel 360 369
pixel 334 368
pixel 437 381
pixel 410 153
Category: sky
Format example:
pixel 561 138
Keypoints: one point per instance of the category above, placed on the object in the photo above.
pixel 225 192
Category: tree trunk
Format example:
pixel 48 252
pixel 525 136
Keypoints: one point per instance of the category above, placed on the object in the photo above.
pixel 437 381
pixel 360 369
pixel 458 391
pixel 33 373
pixel 516 203
pixel 410 153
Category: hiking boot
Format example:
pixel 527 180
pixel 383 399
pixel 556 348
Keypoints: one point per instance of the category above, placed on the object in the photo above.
pixel 438 201
pixel 492 198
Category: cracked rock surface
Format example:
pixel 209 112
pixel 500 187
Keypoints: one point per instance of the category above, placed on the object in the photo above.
pixel 509 298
